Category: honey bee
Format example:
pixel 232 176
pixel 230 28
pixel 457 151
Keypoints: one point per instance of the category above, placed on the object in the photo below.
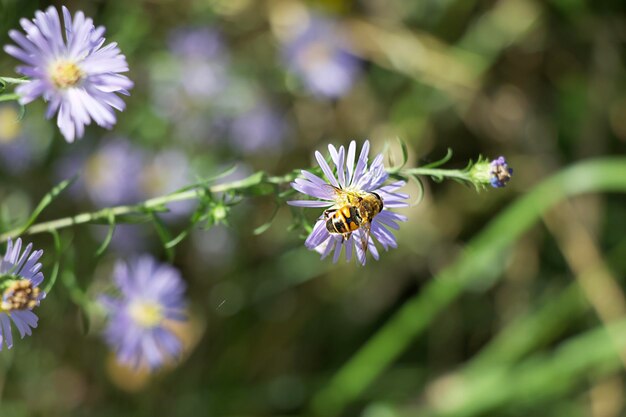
pixel 353 210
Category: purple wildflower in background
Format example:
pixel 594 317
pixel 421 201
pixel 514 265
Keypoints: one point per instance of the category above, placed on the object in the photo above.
pixel 260 129
pixel 111 174
pixel 322 58
pixel 16 150
pixel 202 60
pixel 20 277
pixel 71 69
pixel 167 172
pixel 359 178
pixel 108 175
pixel 500 172
pixel 151 294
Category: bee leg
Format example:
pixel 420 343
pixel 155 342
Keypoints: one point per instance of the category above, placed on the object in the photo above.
pixel 345 236
pixel 328 212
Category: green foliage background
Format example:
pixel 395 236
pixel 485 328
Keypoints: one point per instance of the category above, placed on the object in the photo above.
pixel 502 303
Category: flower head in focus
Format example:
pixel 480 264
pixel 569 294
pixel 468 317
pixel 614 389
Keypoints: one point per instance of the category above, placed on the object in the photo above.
pixel 151 295
pixel 322 57
pixel 20 277
pixel 71 68
pixel 355 176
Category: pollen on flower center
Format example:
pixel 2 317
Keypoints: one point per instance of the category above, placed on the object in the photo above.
pixel 146 313
pixel 65 74
pixel 20 295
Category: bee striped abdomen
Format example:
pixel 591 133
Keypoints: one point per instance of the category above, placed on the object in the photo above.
pixel 344 220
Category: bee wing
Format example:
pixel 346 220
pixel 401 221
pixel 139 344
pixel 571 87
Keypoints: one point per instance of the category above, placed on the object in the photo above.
pixel 365 240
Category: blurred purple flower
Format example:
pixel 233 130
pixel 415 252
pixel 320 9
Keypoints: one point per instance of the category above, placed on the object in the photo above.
pixel 109 175
pixel 322 57
pixel 202 60
pixel 261 128
pixel 167 172
pixel 75 73
pixel 20 277
pixel 16 152
pixel 360 178
pixel 151 295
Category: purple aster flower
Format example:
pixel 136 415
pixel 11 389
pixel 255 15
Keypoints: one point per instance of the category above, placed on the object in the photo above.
pixel 71 69
pixel 151 295
pixel 322 57
pixel 359 179
pixel 261 128
pixel 20 277
pixel 500 172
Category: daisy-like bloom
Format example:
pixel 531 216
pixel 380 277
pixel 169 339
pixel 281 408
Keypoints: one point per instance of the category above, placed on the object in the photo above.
pixel 71 68
pixel 151 294
pixel 322 57
pixel 359 178
pixel 20 277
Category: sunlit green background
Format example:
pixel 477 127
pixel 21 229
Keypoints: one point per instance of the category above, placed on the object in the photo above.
pixel 520 317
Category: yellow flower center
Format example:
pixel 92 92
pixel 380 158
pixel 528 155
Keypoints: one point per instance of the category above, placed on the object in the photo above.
pixel 146 313
pixel 9 124
pixel 65 74
pixel 20 295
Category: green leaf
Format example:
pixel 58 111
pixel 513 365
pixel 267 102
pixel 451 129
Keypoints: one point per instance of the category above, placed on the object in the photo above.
pixel 203 182
pixel 109 236
pixel 45 202
pixel 164 235
pixel 57 261
pixel 195 218
pixel 439 162
pixel 420 185
pixel 264 227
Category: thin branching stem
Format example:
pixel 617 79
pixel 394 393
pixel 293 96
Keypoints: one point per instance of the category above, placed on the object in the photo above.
pixel 158 203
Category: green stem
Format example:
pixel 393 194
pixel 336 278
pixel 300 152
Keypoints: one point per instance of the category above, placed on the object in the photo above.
pixel 11 80
pixel 106 214
pixel 144 207
pixel 436 173
pixel 10 97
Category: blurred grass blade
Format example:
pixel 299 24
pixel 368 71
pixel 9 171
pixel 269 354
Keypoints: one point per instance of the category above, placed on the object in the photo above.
pixel 590 355
pixel 478 265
